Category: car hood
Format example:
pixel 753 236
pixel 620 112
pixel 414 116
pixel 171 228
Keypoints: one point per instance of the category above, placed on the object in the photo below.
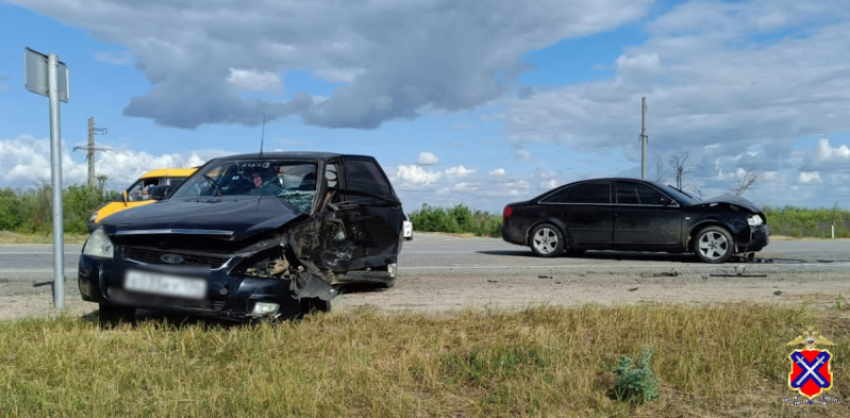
pixel 730 200
pixel 243 216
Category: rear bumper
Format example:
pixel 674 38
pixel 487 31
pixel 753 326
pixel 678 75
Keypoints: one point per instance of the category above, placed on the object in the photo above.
pixel 513 234
pixel 227 297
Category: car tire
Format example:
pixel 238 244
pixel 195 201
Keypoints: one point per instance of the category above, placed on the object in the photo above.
pixel 714 244
pixel 111 315
pixel 547 240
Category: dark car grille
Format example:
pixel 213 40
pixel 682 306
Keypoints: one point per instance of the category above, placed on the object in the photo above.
pixel 150 256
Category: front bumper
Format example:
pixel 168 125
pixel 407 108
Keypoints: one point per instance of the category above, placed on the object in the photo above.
pixel 227 296
pixel 755 239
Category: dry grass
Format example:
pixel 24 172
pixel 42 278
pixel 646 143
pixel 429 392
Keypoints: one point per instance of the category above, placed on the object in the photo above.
pixel 7 238
pixel 711 362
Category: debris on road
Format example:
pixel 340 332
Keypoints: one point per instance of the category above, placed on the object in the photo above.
pixel 672 273
pixel 739 272
pixel 633 289
pixel 777 293
pixel 544 276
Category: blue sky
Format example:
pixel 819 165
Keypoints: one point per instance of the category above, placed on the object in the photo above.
pixel 459 103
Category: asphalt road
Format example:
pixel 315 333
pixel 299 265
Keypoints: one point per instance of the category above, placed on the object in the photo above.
pixel 435 253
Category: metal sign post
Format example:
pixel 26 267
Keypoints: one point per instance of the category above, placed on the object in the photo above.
pixel 47 76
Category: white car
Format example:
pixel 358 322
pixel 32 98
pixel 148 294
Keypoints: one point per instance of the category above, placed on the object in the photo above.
pixel 407 228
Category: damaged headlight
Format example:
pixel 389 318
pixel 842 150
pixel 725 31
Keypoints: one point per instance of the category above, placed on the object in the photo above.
pixel 755 220
pixel 98 245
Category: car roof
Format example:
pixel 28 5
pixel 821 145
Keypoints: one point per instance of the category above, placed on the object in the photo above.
pixel 296 155
pixel 613 179
pixel 169 172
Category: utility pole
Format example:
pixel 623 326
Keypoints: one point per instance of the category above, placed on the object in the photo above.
pixel 90 148
pixel 643 138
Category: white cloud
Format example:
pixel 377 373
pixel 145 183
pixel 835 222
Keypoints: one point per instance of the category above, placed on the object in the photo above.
pixel 416 175
pixel 809 177
pixel 25 162
pixel 498 172
pixel 548 184
pixel 253 80
pixel 117 58
pixel 427 158
pixel 716 75
pixel 770 176
pixel 825 153
pixel 459 172
pixel 470 56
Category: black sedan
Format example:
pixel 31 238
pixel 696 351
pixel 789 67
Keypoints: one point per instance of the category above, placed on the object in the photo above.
pixel 248 236
pixel 634 215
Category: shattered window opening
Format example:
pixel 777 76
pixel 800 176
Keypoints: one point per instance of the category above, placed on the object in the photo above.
pixel 294 182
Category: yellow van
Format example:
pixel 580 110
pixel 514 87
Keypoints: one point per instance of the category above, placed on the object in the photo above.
pixel 139 193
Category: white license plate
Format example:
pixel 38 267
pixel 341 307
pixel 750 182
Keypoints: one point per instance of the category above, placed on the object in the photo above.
pixel 164 284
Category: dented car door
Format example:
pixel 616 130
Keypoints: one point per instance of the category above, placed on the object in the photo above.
pixel 362 218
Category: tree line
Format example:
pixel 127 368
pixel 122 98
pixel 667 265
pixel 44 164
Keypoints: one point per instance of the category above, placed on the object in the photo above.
pixel 30 212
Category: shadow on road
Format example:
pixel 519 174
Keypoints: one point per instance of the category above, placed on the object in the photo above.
pixel 604 255
pixel 360 288
pixel 663 257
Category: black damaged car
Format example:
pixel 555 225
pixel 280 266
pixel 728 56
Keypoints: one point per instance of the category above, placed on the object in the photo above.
pixel 248 236
pixel 628 214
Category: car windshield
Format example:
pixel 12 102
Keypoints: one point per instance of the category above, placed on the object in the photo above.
pixel 294 182
pixel 679 195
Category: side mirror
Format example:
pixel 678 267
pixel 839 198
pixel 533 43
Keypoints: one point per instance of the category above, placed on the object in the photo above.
pixel 665 201
pixel 160 192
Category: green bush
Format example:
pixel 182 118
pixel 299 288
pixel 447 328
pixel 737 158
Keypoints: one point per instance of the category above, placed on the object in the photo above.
pixel 635 385
pixel 801 222
pixel 458 219
pixel 31 211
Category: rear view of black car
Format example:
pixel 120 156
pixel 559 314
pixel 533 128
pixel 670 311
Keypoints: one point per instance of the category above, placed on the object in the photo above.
pixel 634 215
pixel 249 236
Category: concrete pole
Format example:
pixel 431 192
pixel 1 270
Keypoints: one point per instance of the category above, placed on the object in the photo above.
pixel 643 138
pixel 56 168
pixel 90 152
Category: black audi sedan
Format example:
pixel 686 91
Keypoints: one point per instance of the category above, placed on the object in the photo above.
pixel 248 236
pixel 628 214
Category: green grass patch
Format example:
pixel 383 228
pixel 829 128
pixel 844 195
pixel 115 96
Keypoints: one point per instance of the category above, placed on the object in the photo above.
pixel 719 361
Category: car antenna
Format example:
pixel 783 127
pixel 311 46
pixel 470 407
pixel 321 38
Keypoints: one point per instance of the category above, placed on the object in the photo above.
pixel 263 135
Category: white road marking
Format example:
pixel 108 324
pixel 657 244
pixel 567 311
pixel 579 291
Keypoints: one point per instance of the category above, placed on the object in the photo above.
pixel 620 266
pixel 34 252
